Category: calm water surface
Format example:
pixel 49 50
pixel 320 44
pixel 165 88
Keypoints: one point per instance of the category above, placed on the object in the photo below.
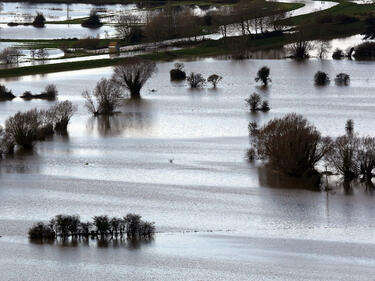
pixel 219 217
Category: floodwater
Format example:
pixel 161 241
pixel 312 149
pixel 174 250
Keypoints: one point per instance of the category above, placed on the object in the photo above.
pixel 218 217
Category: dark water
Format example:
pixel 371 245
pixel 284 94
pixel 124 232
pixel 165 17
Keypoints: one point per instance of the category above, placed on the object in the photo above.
pixel 220 217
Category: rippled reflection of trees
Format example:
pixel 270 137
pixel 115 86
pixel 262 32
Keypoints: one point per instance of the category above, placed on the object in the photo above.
pixel 136 117
pixel 73 242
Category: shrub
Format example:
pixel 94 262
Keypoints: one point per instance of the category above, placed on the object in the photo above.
pixel 133 74
pixel 196 80
pixel 50 92
pixel 342 79
pixel 23 127
pixel 338 54
pixel 41 231
pixel 214 79
pixel 263 75
pixel 62 112
pixel 265 106
pixel 290 144
pixel 254 101
pixel 93 20
pixel 178 72
pixel 27 95
pixel 5 94
pixel 108 96
pixel 321 78
pixel 39 20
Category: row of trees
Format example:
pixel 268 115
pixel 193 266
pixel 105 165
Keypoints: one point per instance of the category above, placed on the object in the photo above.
pixel 130 226
pixel 252 17
pixel 294 146
pixel 25 128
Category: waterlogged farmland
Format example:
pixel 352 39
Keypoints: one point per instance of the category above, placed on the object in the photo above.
pixel 179 155
pixel 211 206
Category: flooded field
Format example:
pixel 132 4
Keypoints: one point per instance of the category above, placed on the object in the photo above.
pixel 219 217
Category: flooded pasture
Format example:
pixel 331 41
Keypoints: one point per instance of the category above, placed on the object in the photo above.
pixel 178 158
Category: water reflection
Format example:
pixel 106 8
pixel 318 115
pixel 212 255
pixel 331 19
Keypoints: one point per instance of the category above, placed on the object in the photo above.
pixel 270 178
pixel 75 242
pixel 136 116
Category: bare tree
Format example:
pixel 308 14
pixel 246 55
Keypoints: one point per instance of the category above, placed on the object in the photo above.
pixel 133 74
pixel 10 55
pixel 214 79
pixel 108 97
pixel 196 80
pixel 124 25
pixel 323 47
pixel 23 127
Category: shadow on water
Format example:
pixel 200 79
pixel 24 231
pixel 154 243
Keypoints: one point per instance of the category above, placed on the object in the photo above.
pixel 136 116
pixel 271 178
pixel 18 162
pixel 75 242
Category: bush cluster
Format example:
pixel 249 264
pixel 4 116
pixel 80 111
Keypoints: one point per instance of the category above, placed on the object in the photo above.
pixel 25 128
pixel 294 146
pixel 255 103
pixel 130 226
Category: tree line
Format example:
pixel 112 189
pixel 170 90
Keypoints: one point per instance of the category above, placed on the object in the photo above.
pixel 130 226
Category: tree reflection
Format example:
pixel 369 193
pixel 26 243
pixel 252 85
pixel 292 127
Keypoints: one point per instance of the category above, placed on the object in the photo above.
pixel 136 117
pixel 75 242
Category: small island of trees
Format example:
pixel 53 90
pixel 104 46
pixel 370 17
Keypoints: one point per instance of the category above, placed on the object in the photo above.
pixel 103 227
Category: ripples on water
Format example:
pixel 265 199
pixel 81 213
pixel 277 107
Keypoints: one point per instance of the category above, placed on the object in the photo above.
pixel 209 186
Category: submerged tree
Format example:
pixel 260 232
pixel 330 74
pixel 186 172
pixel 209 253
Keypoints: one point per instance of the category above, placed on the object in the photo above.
pixel 133 74
pixel 178 72
pixel 108 96
pixel 196 80
pixel 263 75
pixel 321 78
pixel 39 20
pixel 342 79
pixel 61 113
pixel 23 127
pixel 290 144
pixel 214 79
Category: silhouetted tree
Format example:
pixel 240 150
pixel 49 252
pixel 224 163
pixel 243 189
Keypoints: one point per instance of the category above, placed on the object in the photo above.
pixel 133 74
pixel 321 78
pixel 263 75
pixel 178 72
pixel 23 127
pixel 254 102
pixel 196 80
pixel 214 79
pixel 342 79
pixel 39 20
pixel 108 97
